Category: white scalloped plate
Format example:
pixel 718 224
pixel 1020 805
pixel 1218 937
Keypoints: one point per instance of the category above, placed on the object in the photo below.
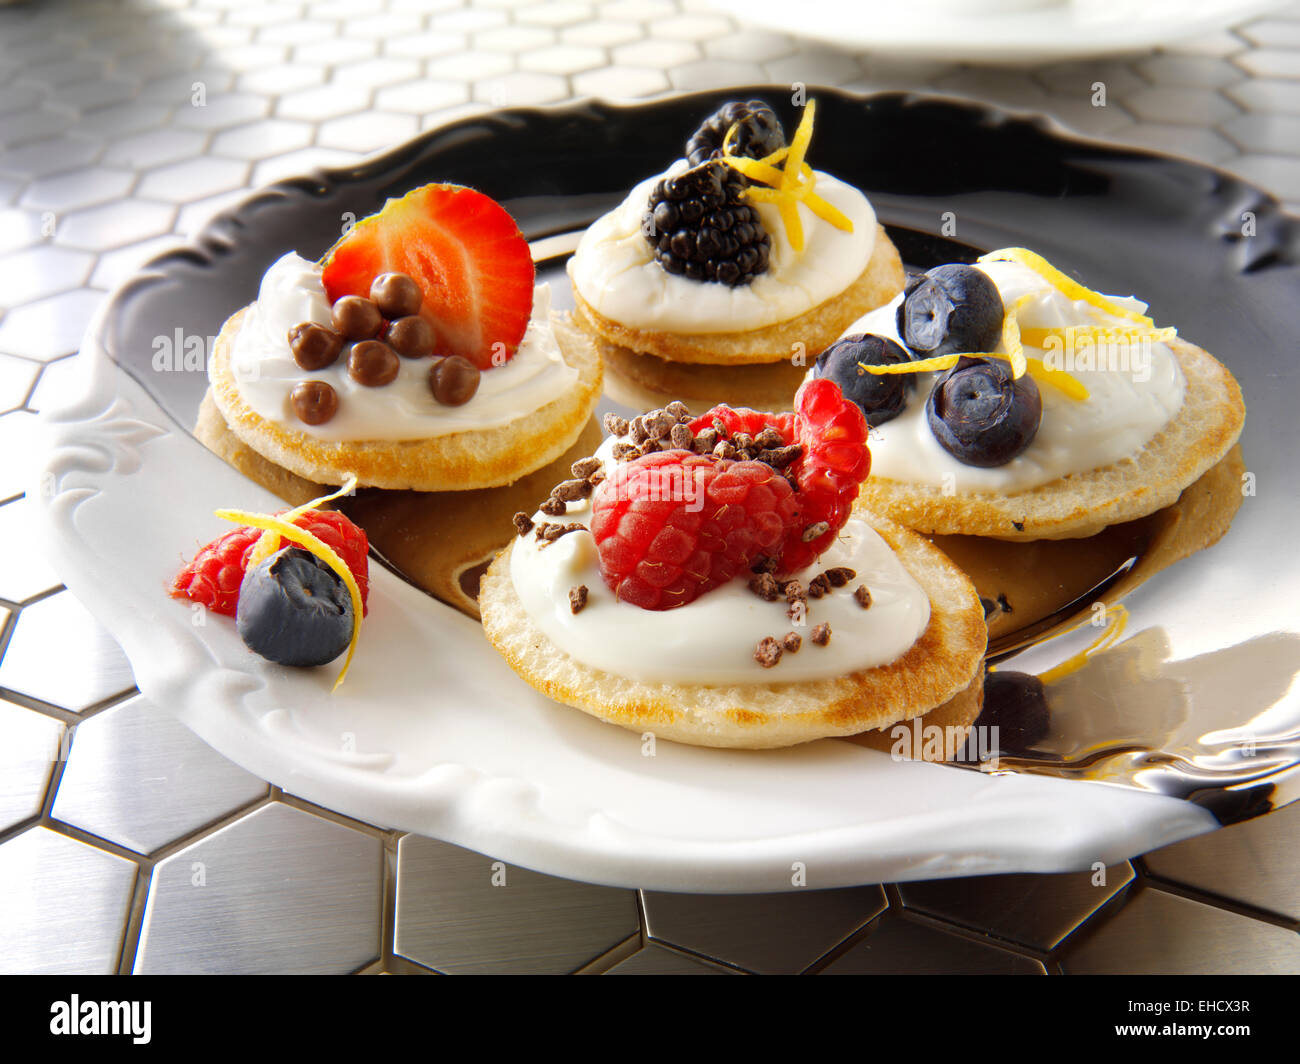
pixel 432 733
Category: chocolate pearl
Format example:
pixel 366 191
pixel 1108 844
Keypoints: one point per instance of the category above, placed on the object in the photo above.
pixel 373 364
pixel 357 318
pixel 315 402
pixel 454 380
pixel 314 346
pixel 396 295
pixel 410 337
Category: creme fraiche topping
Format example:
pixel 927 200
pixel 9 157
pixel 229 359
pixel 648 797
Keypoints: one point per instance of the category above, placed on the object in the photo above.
pixel 855 608
pixel 375 396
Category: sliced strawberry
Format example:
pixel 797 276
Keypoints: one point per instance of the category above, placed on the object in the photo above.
pixel 465 252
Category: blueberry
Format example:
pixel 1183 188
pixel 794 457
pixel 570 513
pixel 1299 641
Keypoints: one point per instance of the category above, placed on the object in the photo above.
pixel 294 609
pixel 950 310
pixel 980 415
pixel 881 397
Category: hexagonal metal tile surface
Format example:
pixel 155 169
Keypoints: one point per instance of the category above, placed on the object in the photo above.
pixel 1163 934
pixel 63 905
pixel 657 960
pixel 895 945
pixel 1035 911
pixel 123 131
pixel 31 748
pixel 1243 862
pixel 61 655
pixel 138 777
pixel 765 933
pixel 460 912
pixel 278 890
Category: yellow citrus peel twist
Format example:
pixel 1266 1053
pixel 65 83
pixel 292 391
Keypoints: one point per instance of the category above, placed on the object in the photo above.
pixel 1014 337
pixel 791 185
pixel 1064 284
pixel 1072 334
pixel 277 527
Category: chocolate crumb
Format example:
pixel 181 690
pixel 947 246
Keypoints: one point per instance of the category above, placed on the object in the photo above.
pixel 840 575
pixel 724 449
pixel 862 596
pixel 813 531
pixel 596 477
pixel 615 425
pixel 637 430
pixel 682 437
pixel 821 635
pixel 779 457
pixel 719 426
pixel 705 441
pixel 791 642
pixel 818 586
pixel 764 565
pixel 659 423
pixel 554 507
pixel 549 533
pixel 584 467
pixel 577 598
pixel 764 585
pixel 768 652
pixel 769 438
pixel 678 410
pixel 794 591
pixel 649 447
pixel 523 523
pixel 743 441
pixel 571 490
pixel 624 450
pixel 744 454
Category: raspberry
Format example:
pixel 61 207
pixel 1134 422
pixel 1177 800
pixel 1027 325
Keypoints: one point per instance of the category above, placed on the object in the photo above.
pixel 834 463
pixel 214 576
pixel 742 419
pixel 672 525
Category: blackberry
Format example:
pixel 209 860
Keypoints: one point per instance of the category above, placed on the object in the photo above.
pixel 759 132
pixel 699 226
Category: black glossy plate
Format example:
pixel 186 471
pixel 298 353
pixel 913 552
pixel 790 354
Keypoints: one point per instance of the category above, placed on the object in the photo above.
pixel 1208 252
pixel 1169 229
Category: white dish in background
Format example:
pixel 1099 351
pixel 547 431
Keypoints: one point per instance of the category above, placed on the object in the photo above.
pixel 998 31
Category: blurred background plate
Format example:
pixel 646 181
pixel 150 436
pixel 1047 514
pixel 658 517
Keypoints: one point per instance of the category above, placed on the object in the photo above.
pixel 998 31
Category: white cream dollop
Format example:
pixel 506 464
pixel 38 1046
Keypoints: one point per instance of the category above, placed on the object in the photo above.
pixel 614 270
pixel 712 639
pixel 1133 392
pixel 265 371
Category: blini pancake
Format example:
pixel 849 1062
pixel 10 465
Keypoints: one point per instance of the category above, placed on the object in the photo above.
pixel 943 664
pixel 212 431
pixel 1203 431
pixel 815 329
pixel 456 462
